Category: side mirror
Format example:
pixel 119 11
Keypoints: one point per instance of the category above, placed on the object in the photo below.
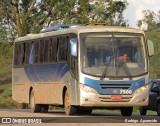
pixel 150 47
pixel 74 46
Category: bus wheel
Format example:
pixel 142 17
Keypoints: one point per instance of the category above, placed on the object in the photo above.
pixel 126 111
pixel 158 109
pixel 34 107
pixel 44 108
pixel 69 109
pixel 143 110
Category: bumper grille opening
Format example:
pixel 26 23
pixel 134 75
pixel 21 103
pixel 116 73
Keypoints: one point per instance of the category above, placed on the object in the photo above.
pixel 115 86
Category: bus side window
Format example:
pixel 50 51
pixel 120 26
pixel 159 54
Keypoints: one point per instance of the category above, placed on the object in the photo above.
pixel 27 52
pixel 46 44
pixel 58 46
pixel 36 58
pixel 63 49
pixel 67 48
pixel 42 51
pixel 32 53
pixel 52 50
pixel 17 53
pixel 23 53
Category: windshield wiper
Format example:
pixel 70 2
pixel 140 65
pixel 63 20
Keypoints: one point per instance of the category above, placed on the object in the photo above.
pixel 122 64
pixel 104 72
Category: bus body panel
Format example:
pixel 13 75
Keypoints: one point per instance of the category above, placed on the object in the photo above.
pixel 93 100
pixel 107 88
pixel 47 82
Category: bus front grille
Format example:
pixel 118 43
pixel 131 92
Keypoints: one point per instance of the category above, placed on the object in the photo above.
pixel 115 86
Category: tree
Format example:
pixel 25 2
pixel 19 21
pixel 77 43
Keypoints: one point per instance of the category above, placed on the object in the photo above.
pixel 158 19
pixel 148 19
pixel 21 17
pixel 109 12
pixel 26 16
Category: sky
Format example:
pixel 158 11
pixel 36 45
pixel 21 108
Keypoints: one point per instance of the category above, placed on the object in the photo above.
pixel 135 7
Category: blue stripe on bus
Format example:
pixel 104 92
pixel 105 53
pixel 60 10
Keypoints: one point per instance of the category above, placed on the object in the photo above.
pixel 135 84
pixel 46 73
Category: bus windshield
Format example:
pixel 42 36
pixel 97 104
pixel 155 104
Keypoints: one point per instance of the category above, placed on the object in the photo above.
pixel 113 54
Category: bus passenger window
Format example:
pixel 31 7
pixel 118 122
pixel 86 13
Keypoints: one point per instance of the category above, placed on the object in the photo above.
pixel 27 53
pixel 63 49
pixel 32 53
pixel 52 50
pixel 42 51
pixel 23 53
pixel 17 60
pixel 46 50
pixel 36 58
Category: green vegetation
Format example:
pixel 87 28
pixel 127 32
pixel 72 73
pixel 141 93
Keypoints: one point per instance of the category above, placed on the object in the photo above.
pixel 21 17
pixel 6 96
pixel 154 35
pixel 6 50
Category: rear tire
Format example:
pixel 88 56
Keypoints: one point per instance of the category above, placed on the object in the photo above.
pixel 69 109
pixel 35 108
pixel 158 109
pixel 126 111
pixel 44 108
pixel 143 110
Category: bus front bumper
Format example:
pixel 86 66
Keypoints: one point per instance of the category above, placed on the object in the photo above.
pixel 97 100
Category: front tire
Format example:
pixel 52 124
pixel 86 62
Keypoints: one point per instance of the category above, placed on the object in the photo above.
pixel 143 110
pixel 35 108
pixel 69 109
pixel 158 109
pixel 126 111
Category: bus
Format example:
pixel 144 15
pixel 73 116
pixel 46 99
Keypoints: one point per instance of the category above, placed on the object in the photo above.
pixel 82 67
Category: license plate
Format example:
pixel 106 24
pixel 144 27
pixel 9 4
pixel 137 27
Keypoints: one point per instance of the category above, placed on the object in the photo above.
pixel 116 97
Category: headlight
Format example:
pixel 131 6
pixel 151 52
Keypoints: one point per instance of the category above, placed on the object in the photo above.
pixel 142 89
pixel 87 88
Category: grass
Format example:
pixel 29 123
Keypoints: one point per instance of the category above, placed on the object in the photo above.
pixel 6 96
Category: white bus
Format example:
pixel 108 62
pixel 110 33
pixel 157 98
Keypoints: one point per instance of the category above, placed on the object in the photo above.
pixel 82 68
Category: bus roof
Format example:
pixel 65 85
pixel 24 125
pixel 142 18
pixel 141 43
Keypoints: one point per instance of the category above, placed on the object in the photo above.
pixel 78 30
